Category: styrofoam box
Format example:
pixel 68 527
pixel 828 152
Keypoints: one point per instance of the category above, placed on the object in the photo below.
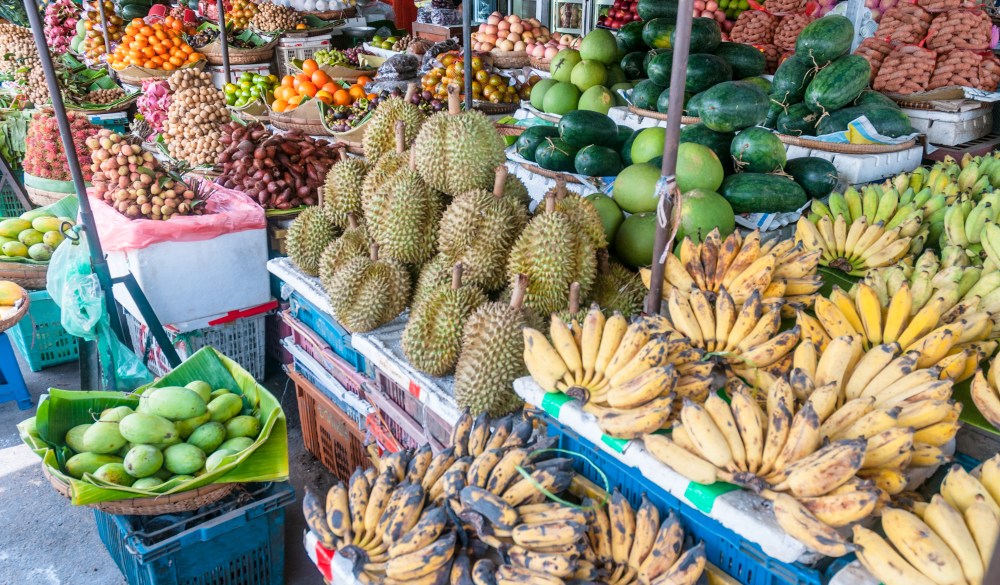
pixel 219 76
pixel 187 281
pixel 865 168
pixel 952 128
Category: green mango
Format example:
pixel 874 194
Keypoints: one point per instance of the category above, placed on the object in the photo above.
pixel 183 458
pixel 238 444
pixel 103 437
pixel 74 437
pixel 174 403
pixel 225 407
pixel 114 473
pixel 143 461
pixel 201 389
pixel 144 428
pixel 215 459
pixel 242 426
pixel 82 463
pixel 208 436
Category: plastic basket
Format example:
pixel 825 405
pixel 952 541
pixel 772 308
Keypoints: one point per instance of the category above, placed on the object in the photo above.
pixel 328 329
pixel 243 340
pixel 335 365
pixel 10 205
pixel 289 50
pixel 726 550
pixel 400 396
pixel 327 432
pixel 277 330
pixel 313 371
pixel 116 122
pixel 228 543
pixel 40 336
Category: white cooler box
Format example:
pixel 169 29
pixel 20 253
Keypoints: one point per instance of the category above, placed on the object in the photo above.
pixel 189 281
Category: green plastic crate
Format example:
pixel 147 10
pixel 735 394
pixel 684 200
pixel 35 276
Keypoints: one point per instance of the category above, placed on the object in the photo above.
pixel 10 205
pixel 40 336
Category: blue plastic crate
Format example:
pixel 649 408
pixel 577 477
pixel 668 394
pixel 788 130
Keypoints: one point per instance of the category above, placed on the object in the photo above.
pixel 332 332
pixel 116 122
pixel 738 558
pixel 244 545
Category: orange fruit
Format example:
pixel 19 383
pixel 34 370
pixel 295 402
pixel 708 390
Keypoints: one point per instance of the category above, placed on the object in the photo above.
pixel 176 61
pixel 330 87
pixel 371 96
pixel 279 105
pixel 319 78
pixel 167 67
pixel 342 97
pixel 364 80
pixel 294 100
pixel 195 57
pixel 324 96
pixel 357 92
pixel 308 88
pixel 287 81
pixel 145 31
pixel 137 22
pixel 309 66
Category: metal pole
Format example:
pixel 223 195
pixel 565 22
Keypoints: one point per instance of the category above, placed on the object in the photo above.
pixel 224 41
pixel 467 50
pixel 104 32
pixel 669 197
pixel 99 264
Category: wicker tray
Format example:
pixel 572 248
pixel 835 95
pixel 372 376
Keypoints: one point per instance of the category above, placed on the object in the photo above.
pixel 41 197
pixel 846 148
pixel 261 54
pixel 510 129
pixel 307 117
pixel 22 308
pixel 492 109
pixel 661 116
pixel 510 59
pixel 334 14
pixel 255 111
pixel 27 276
pixel 121 107
pixel 155 506
pixel 353 136
pixel 537 170
pixel 134 76
pixel 540 64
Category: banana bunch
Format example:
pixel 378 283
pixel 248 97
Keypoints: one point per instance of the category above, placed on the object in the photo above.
pixel 631 547
pixel 861 245
pixel 990 242
pixel 943 328
pixel 778 268
pixel 888 204
pixel 626 375
pixel 986 393
pixel 965 222
pixel 948 540
pixel 747 339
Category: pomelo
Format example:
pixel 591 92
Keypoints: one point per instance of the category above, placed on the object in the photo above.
pixel 611 215
pixel 563 63
pixel 697 168
pixel 634 240
pixel 701 212
pixel 635 188
pixel 587 74
pixel 597 99
pixel 648 144
pixel 561 98
pixel 615 74
pixel 619 100
pixel 599 45
pixel 538 92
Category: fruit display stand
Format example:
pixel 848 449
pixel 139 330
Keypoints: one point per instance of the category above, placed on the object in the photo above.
pixel 857 169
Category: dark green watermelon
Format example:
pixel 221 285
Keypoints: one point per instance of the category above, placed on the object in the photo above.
pixel 624 133
pixel 659 68
pixel 630 37
pixel 632 65
pixel 757 150
pixel 649 56
pixel 706 35
pixel 658 33
pixel 817 177
pixel 626 149
pixel 825 39
pixel 646 93
pixel 664 100
pixel 555 155
pixel 718 142
pixel 694 104
pixel 798 120
pixel 745 60
pixel 705 70
pixel 597 161
pixel 650 9
pixel 527 143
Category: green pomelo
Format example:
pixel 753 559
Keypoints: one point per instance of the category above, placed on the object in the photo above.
pixel 74 437
pixel 701 212
pixel 242 426
pixel 238 444
pixel 635 188
pixel 538 92
pixel 597 99
pixel 225 407
pixel 611 215
pixel 200 388
pixel 114 473
pixel 561 98
pixel 183 458
pixel 208 436
pixel 215 459
pixel 634 240
pixel 103 437
pixel 616 75
pixel 175 403
pixel 584 76
pixel 143 461
pixel 144 428
pixel 698 168
pixel 561 68
pixel 648 144
pixel 599 45
pixel 82 463
pixel 187 426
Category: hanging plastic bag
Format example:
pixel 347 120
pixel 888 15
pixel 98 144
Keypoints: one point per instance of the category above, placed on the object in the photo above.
pixel 75 288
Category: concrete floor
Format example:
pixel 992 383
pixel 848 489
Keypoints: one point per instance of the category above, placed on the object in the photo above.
pixel 46 541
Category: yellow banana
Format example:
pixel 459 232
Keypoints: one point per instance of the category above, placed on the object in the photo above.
pixel 687 570
pixel 812 329
pixel 844 508
pixel 544 363
pixel 984 525
pixel 647 522
pixel 833 319
pixel 898 314
pixel 886 446
pixel 871 363
pixel 748 316
pixel 666 549
pixel 921 546
pixel 845 416
pixel 825 470
pixel 961 490
pixel 883 562
pixel 949 525
pixel 802 525
pixel 593 329
pixel 611 337
pixel 840 357
pixel 566 346
pixel 706 436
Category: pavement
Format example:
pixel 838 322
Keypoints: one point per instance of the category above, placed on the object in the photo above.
pixel 46 541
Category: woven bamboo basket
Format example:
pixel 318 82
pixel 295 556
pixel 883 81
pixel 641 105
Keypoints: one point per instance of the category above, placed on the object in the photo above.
pixel 27 276
pixel 154 506
pixel 661 116
pixel 335 14
pixel 255 111
pixel 261 54
pixel 120 107
pixel 41 197
pixel 21 307
pixel 541 64
pixel 134 76
pixel 841 148
pixel 537 170
pixel 492 109
pixel 353 136
pixel 510 59
pixel 307 118
pixel 510 129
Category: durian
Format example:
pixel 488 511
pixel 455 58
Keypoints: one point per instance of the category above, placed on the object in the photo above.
pixel 478 230
pixel 514 188
pixel 432 338
pixel 380 131
pixel 342 190
pixel 582 213
pixel 308 236
pixel 545 253
pixel 492 356
pixel 458 151
pixel 353 243
pixel 433 275
pixel 617 288
pixel 386 166
pixel 369 291
pixel 402 217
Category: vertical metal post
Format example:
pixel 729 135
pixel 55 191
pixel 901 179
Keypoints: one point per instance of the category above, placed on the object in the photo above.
pixel 99 264
pixel 669 197
pixel 224 41
pixel 467 50
pixel 104 32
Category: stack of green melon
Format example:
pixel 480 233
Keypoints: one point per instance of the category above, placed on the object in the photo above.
pixel 175 433
pixel 587 79
pixel 585 142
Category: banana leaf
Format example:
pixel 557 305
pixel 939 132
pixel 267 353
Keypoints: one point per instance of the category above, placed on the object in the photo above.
pixel 61 410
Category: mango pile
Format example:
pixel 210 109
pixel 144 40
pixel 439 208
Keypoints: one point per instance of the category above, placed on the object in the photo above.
pixel 35 234
pixel 174 433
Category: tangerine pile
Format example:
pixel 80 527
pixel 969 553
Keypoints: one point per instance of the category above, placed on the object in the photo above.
pixel 155 46
pixel 315 83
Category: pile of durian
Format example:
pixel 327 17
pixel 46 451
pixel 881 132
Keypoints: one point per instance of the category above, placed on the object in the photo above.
pixel 430 221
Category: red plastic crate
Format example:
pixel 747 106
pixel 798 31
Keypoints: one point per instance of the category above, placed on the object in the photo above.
pixel 404 428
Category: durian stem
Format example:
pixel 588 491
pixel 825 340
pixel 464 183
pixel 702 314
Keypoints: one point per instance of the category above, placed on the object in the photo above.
pixel 550 204
pixel 574 298
pixel 603 261
pixel 413 160
pixel 456 276
pixel 400 136
pixel 560 188
pixel 501 181
pixel 352 220
pixel 373 251
pixel 454 103
pixel 342 151
pixel 520 289
pixel 411 90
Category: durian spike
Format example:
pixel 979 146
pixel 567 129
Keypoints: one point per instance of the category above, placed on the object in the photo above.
pixel 352 220
pixel 560 188
pixel 400 136
pixel 501 181
pixel 373 251
pixel 518 292
pixel 574 298
pixel 456 276
pixel 411 90
pixel 454 100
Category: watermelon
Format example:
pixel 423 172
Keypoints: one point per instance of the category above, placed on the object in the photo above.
pixel 527 143
pixel 762 193
pixel 817 176
pixel 870 97
pixel 705 70
pixel 650 9
pixel 825 39
pixel 555 155
pixel 760 82
pixel 746 61
pixel 630 37
pixel 838 84
pixel 597 161
pixel 624 133
pixel 626 150
pixel 791 80
pixel 732 106
pixel 888 121
pixel 757 150
pixel 693 105
pixel 632 65
pixel 581 128
pixel 659 68
pixel 798 120
pixel 646 93
pixel 658 33
pixel 649 56
pixel 706 36
pixel 719 142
